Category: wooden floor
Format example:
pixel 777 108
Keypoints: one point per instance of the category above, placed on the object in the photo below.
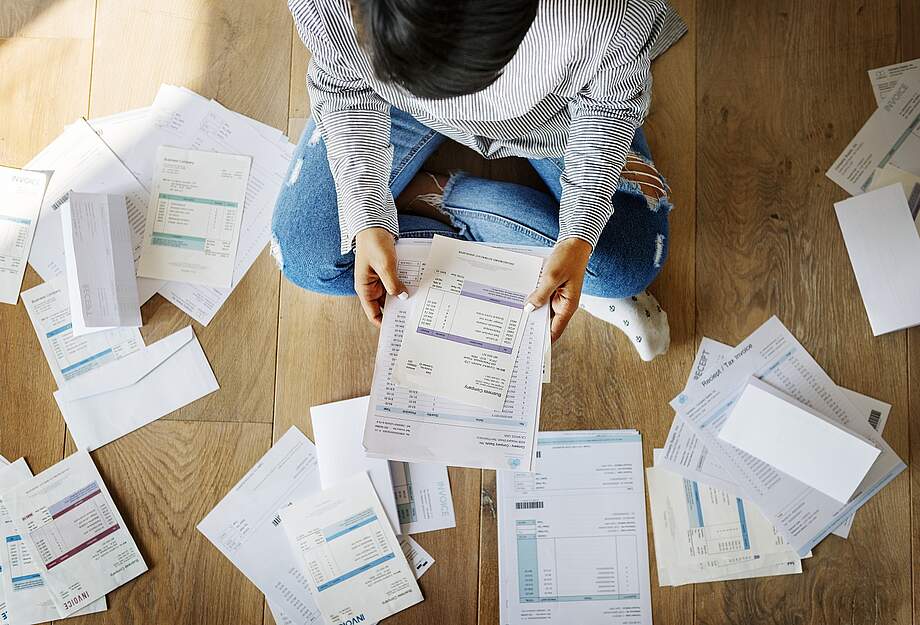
pixel 749 111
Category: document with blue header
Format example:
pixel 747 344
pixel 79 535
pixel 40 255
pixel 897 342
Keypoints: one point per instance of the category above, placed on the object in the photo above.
pixel 354 565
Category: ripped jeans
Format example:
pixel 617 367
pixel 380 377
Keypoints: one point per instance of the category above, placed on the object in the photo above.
pixel 632 248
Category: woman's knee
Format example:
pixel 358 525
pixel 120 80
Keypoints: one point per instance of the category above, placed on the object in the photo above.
pixel 628 266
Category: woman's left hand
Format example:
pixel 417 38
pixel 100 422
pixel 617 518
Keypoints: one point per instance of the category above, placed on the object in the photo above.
pixel 561 282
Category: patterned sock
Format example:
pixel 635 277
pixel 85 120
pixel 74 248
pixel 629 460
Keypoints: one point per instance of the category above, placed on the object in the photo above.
pixel 639 317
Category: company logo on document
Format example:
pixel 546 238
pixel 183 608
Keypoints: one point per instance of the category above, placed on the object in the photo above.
pixel 353 620
pixel 514 462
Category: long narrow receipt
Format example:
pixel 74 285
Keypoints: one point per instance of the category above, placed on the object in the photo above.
pixel 409 425
pixel 803 515
pixel 353 563
pixel 21 194
pixel 467 323
pixel 573 546
pixel 71 356
pixel 99 258
pixel 194 217
pixel 73 528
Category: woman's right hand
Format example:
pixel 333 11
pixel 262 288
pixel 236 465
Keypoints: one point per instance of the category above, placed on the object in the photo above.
pixel 375 272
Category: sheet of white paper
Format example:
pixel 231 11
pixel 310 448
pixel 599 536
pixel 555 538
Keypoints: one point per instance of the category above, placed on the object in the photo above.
pixel 72 356
pixel 82 162
pixel 21 194
pixel 572 537
pixel 123 132
pixel 245 526
pixel 885 79
pixel 26 597
pixel 412 426
pixel 798 441
pixel 467 322
pixel 803 515
pixel 882 242
pixel 194 217
pixel 69 522
pixel 108 403
pixel 99 260
pixel 889 136
pixel 337 431
pixel 423 497
pixel 889 175
pixel 352 559
pixel 419 560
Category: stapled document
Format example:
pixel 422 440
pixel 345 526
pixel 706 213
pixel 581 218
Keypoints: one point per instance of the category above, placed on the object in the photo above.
pixel 884 248
pixel 194 217
pixel 21 194
pixel 798 441
pixel 467 322
pixel 99 260
pixel 353 563
pixel 72 527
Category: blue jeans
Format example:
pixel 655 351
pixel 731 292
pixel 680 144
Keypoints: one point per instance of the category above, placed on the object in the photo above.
pixel 305 226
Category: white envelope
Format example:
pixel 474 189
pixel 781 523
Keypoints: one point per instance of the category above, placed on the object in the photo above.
pixel 109 402
pixel 798 441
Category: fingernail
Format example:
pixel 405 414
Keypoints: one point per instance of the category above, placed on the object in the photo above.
pixel 403 296
pixel 529 308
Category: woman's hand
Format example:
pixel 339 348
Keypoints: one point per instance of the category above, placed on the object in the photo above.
pixel 375 272
pixel 560 284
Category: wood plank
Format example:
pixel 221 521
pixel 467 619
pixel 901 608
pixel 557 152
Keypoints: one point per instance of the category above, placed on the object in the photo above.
pixel 238 53
pixel 45 60
pixel 299 105
pixel 164 479
pixel 782 88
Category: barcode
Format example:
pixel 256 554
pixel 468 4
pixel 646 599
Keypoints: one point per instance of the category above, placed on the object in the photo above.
pixel 59 202
pixel 277 520
pixel 539 455
pixel 874 418
pixel 528 505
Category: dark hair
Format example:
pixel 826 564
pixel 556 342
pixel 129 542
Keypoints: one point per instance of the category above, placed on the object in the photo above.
pixel 442 48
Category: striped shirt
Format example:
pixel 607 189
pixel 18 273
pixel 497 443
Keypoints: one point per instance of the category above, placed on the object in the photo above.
pixel 577 88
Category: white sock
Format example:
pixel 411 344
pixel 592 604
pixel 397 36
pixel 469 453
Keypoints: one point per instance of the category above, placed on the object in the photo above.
pixel 639 317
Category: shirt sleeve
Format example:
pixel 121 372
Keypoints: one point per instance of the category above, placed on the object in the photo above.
pixel 605 116
pixel 355 125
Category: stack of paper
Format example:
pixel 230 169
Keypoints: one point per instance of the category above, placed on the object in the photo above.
pixel 416 426
pixel 248 523
pixel 65 543
pixel 787 512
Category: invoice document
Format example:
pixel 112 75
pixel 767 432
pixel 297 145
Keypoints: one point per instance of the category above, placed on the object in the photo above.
pixel 70 356
pixel 890 136
pixel 337 431
pixel 703 534
pixel 572 537
pixel 798 441
pixel 885 79
pixel 21 194
pixel 27 598
pixel 245 525
pixel 467 322
pixel 883 243
pixel 889 175
pixel 194 217
pixel 409 425
pixel 802 514
pixel 353 563
pixel 423 497
pixel 99 260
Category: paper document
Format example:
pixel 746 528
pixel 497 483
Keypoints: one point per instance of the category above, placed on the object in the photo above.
pixel 885 79
pixel 703 534
pixel 99 258
pixel 883 243
pixel 353 563
pixel 337 431
pixel 467 322
pixel 803 515
pixel 69 522
pixel 27 598
pixel 71 356
pixel 572 537
pixel 21 194
pixel 245 525
pixel 108 403
pixel 409 425
pixel 423 497
pixel 194 217
pixel 889 175
pixel 798 441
